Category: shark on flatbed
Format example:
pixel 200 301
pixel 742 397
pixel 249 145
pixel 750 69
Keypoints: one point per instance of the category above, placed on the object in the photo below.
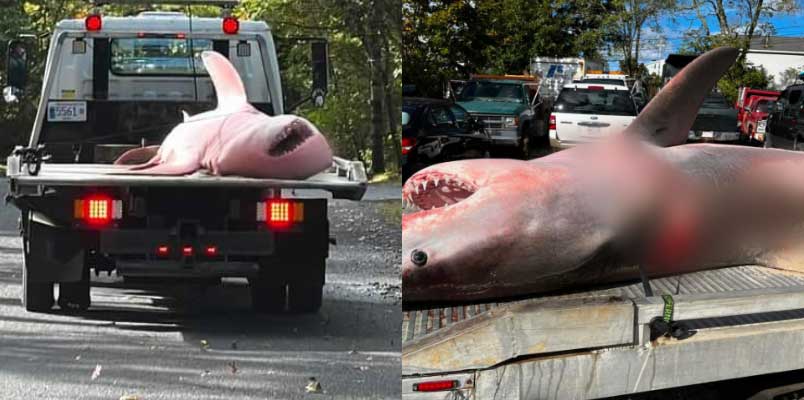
pixel 491 229
pixel 235 138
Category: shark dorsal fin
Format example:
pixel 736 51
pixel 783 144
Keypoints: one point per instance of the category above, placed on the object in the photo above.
pixel 228 86
pixel 667 119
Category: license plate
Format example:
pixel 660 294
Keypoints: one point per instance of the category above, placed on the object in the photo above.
pixel 707 134
pixel 761 128
pixel 67 111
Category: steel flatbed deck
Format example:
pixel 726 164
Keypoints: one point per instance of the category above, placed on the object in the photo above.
pixel 749 321
pixel 345 179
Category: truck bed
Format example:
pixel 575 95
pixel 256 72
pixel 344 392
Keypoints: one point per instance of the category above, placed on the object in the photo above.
pixel 749 321
pixel 345 179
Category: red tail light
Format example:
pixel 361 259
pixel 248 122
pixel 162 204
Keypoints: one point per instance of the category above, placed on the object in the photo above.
pixel 552 122
pixel 97 209
pixel 595 88
pixel 279 213
pixel 230 25
pixel 163 250
pixel 435 386
pixel 187 251
pixel 211 250
pixel 93 23
pixel 407 144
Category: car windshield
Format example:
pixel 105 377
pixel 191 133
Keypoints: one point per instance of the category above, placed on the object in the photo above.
pixel 715 101
pixel 592 101
pixel 762 106
pixel 491 91
pixel 158 56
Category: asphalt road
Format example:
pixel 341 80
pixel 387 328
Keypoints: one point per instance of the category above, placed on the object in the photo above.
pixel 171 342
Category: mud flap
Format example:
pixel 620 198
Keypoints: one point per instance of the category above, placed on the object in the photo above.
pixel 54 254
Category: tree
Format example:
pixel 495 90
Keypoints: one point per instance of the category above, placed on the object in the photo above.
pixel 790 76
pixel 448 39
pixel 626 25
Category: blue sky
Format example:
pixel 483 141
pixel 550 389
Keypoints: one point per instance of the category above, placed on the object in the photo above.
pixel 657 45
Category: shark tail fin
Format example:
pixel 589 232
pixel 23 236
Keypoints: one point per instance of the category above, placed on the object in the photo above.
pixel 228 86
pixel 668 117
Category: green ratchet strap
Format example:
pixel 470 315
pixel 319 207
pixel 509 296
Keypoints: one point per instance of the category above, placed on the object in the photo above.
pixel 665 326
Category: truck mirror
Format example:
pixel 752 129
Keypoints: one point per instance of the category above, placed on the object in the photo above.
pixel 778 106
pixel 320 67
pixel 16 67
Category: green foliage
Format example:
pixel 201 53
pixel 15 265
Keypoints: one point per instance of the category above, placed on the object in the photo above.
pixel 448 39
pixel 346 116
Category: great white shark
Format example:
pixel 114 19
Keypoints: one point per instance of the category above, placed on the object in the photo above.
pixel 235 138
pixel 590 215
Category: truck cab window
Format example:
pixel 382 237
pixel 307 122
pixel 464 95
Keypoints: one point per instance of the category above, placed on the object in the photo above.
pixel 158 56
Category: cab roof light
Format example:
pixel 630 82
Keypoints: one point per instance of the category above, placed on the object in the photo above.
pixel 93 22
pixel 230 25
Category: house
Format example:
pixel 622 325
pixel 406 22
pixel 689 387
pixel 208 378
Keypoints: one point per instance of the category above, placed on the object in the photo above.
pixel 777 54
pixel 655 67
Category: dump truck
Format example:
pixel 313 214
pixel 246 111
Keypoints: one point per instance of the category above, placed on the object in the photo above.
pixel 115 83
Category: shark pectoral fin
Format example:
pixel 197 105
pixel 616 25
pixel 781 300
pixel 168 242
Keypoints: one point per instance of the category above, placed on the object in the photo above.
pixel 229 87
pixel 667 119
pixel 788 259
pixel 185 115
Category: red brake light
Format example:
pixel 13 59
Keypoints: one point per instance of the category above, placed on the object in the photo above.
pixel 187 251
pixel 162 250
pixel 279 213
pixel 230 25
pixel 595 88
pixel 211 250
pixel 435 386
pixel 552 122
pixel 93 23
pixel 407 144
pixel 98 210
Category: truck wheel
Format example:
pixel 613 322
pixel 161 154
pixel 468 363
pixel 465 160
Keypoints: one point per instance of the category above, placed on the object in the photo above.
pixel 267 295
pixel 304 297
pixel 36 296
pixel 525 149
pixel 74 296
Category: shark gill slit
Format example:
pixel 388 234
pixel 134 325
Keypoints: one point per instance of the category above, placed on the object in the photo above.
pixel 293 136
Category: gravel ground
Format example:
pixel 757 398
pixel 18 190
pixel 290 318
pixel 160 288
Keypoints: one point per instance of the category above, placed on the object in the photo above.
pixel 186 343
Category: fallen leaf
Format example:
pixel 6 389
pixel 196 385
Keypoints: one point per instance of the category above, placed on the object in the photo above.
pixel 313 386
pixel 96 373
pixel 130 397
pixel 204 345
pixel 232 366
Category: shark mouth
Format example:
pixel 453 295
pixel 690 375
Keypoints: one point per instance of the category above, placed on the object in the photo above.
pixel 436 190
pixel 291 137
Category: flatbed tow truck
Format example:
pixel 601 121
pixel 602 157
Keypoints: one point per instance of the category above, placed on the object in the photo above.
pixel 116 83
pixel 738 322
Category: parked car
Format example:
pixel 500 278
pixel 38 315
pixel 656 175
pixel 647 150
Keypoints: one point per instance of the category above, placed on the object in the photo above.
pixel 786 119
pixel 587 112
pixel 716 121
pixel 436 131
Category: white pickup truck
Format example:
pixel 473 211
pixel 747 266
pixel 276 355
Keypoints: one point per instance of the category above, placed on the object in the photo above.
pixel 115 83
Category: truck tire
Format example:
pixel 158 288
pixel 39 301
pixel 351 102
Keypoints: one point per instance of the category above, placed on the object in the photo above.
pixel 36 296
pixel 267 295
pixel 305 291
pixel 74 296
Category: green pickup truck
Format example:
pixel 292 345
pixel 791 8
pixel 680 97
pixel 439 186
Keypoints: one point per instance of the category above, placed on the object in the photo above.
pixel 509 106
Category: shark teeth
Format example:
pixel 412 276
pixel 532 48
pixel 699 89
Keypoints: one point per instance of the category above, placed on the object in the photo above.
pixel 435 190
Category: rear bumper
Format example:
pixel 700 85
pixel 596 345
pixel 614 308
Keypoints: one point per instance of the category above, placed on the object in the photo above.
pixel 180 269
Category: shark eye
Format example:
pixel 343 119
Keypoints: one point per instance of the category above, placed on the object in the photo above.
pixel 418 257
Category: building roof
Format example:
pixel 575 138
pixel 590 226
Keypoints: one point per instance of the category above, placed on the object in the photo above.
pixel 776 44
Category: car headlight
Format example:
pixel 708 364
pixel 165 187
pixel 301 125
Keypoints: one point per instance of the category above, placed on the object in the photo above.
pixel 510 122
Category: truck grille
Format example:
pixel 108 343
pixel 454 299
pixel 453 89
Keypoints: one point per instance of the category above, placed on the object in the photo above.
pixel 491 122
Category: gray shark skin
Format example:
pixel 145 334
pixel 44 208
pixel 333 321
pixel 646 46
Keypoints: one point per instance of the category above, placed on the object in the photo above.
pixel 586 216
